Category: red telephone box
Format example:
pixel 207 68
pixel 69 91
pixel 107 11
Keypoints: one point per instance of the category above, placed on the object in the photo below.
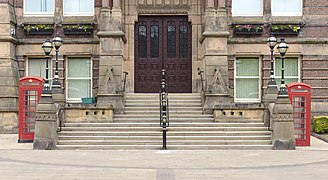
pixel 30 89
pixel 300 98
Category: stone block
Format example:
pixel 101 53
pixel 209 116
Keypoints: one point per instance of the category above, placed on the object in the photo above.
pixel 282 144
pixel 89 114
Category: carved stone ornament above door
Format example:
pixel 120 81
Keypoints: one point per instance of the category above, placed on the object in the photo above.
pixel 163 6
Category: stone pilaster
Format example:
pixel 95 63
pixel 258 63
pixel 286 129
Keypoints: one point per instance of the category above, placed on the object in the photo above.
pixel 283 135
pixel 9 78
pixel 215 58
pixel 45 135
pixel 111 59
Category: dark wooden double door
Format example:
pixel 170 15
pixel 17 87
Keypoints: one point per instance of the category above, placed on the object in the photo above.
pixel 163 42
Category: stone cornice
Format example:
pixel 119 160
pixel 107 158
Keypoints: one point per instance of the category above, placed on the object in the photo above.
pixel 7 38
pixel 207 34
pixel 113 34
pixel 290 41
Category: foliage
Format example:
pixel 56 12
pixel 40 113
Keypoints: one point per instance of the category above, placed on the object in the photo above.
pixel 320 124
pixel 281 27
pixel 74 27
pixel 38 27
pixel 248 27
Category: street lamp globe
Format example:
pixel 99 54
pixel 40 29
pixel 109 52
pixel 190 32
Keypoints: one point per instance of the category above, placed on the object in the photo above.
pixel 47 47
pixel 282 47
pixel 57 41
pixel 272 42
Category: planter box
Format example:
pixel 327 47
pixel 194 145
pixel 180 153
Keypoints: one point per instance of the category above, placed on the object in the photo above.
pixel 284 32
pixel 78 31
pixel 248 32
pixel 88 100
pixel 40 32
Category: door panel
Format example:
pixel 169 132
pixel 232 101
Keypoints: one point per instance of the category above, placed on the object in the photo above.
pixel 163 42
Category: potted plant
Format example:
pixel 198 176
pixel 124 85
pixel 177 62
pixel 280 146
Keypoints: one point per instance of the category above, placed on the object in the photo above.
pixel 244 29
pixel 285 29
pixel 78 29
pixel 39 29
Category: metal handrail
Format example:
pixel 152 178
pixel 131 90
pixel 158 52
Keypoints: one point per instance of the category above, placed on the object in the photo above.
pixel 201 73
pixel 124 81
pixel 60 117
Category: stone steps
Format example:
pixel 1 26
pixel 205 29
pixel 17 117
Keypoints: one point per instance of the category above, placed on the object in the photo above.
pixel 190 129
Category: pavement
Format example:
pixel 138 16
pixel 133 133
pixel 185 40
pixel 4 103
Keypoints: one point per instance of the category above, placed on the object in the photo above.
pixel 19 161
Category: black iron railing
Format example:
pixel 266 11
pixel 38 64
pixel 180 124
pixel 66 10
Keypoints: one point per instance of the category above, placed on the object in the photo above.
pixel 202 80
pixel 124 81
pixel 164 107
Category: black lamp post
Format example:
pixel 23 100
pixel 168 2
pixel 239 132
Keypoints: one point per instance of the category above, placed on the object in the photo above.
pixel 57 42
pixel 272 42
pixel 282 47
pixel 47 47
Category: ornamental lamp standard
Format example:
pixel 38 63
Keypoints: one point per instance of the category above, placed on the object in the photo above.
pixel 47 47
pixel 282 47
pixel 57 42
pixel 272 42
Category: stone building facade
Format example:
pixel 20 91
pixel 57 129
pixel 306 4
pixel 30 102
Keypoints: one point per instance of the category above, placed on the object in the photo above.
pixel 141 37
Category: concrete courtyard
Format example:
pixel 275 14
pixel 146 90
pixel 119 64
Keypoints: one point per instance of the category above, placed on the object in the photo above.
pixel 19 161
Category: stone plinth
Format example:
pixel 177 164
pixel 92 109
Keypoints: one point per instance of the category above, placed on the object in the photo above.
pixel 211 100
pixel 45 135
pixel 114 101
pixel 283 137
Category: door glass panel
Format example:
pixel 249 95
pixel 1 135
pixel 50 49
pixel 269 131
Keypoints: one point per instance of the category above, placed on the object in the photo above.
pixel 154 41
pixel 183 42
pixel 171 41
pixel 142 42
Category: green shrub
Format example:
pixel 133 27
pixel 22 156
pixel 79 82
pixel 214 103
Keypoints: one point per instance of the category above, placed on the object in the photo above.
pixel 320 124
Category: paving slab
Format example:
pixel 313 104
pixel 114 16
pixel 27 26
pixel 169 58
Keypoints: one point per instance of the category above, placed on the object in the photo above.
pixel 19 161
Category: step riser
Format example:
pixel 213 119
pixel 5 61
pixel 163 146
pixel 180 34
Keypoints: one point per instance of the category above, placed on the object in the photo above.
pixel 170 129
pixel 155 147
pixel 156 124
pixel 159 138
pixel 160 134
pixel 168 143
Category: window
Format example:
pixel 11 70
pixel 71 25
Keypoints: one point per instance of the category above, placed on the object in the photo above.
pixel 286 7
pixel 247 7
pixel 291 70
pixel 79 83
pixel 39 7
pixel 78 7
pixel 37 67
pixel 247 80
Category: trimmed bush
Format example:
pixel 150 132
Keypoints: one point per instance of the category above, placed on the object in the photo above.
pixel 320 124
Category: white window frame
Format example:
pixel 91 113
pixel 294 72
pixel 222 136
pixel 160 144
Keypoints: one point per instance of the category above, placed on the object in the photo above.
pixel 77 100
pixel 298 77
pixel 237 14
pixel 49 66
pixel 287 13
pixel 79 13
pixel 244 100
pixel 38 13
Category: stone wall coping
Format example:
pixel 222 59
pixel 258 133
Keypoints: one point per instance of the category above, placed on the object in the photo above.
pixel 109 95
pixel 87 107
pixel 239 107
